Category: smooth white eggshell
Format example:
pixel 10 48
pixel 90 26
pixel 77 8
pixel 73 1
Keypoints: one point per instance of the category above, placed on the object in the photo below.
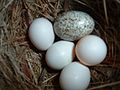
pixel 41 33
pixel 75 76
pixel 60 54
pixel 91 50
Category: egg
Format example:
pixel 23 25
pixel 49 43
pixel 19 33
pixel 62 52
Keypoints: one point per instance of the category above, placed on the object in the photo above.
pixel 73 25
pixel 91 50
pixel 75 76
pixel 41 33
pixel 60 54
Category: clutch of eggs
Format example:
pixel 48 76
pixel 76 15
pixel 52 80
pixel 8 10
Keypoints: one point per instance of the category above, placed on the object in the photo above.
pixel 70 26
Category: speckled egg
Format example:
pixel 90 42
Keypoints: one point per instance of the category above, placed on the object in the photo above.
pixel 73 25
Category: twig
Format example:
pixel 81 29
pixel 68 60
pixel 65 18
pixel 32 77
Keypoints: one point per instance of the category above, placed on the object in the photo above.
pixel 105 10
pixel 35 79
pixel 109 66
pixel 80 2
pixel 105 85
pixel 50 78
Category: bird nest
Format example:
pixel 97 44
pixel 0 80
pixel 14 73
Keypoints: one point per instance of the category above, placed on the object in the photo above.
pixel 23 67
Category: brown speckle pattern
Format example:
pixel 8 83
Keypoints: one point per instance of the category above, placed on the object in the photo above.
pixel 73 25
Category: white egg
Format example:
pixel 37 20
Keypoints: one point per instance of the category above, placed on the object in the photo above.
pixel 73 25
pixel 91 50
pixel 75 76
pixel 60 54
pixel 41 33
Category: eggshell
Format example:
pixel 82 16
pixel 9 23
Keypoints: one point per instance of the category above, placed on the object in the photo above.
pixel 75 76
pixel 41 33
pixel 91 50
pixel 73 25
pixel 60 54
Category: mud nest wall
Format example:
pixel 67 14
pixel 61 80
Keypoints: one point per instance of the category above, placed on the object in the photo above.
pixel 23 67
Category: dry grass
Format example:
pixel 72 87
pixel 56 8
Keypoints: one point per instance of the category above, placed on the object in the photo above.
pixel 22 66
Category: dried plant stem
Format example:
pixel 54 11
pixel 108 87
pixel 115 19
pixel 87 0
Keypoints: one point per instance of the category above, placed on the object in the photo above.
pixel 32 72
pixel 50 78
pixel 105 10
pixel 81 2
pixel 105 85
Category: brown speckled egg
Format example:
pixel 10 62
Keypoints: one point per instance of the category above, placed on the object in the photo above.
pixel 73 25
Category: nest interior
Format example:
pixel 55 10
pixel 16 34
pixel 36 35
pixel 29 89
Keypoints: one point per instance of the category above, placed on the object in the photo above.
pixel 23 67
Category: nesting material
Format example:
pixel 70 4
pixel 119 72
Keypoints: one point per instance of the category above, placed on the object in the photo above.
pixel 22 67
